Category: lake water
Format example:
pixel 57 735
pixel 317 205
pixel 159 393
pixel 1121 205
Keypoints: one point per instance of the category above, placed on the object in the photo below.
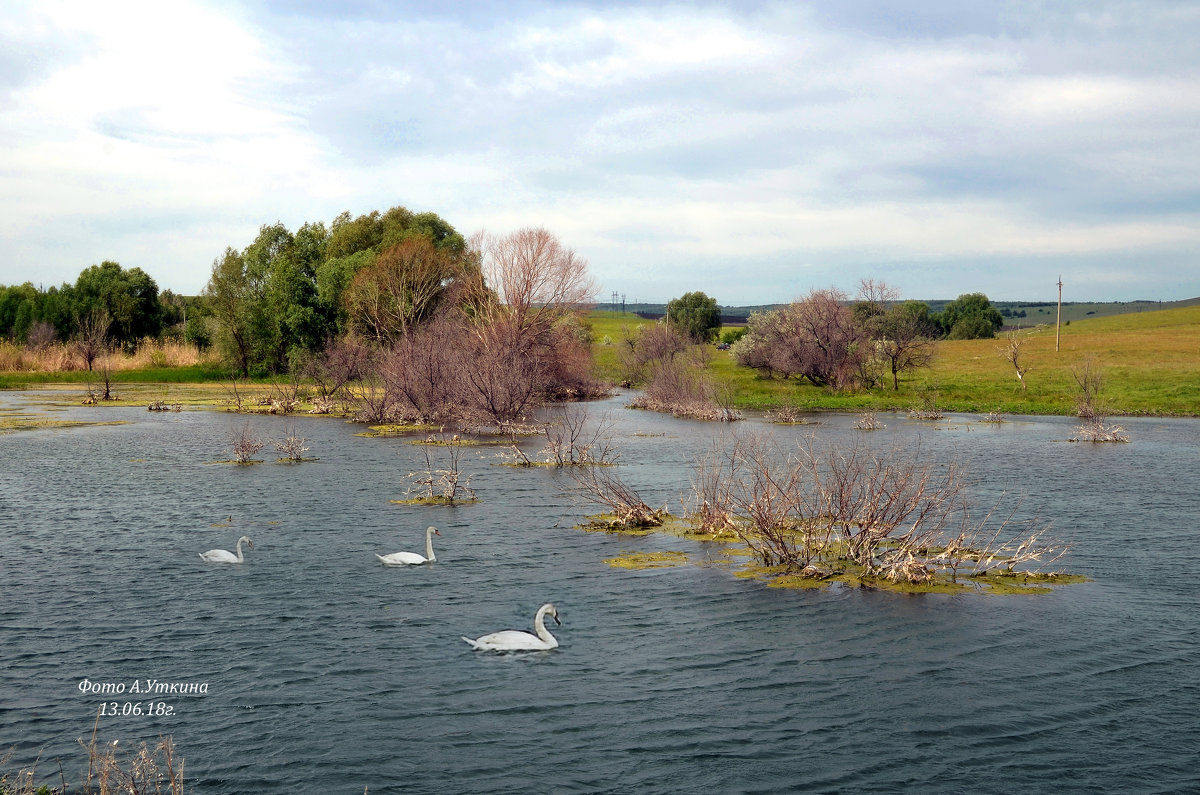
pixel 327 672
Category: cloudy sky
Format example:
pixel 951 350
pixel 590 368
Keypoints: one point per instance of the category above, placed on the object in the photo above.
pixel 752 150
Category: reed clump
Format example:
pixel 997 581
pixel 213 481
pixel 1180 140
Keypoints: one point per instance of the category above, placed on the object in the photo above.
pixel 144 769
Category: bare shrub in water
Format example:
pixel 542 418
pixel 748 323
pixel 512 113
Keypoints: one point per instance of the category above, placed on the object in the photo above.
pixel 246 444
pixel 1089 382
pixel 648 344
pixel 867 421
pixel 571 439
pixel 292 446
pixel 340 362
pixel 601 485
pixel 371 396
pixel 890 513
pixel 444 484
pixel 680 386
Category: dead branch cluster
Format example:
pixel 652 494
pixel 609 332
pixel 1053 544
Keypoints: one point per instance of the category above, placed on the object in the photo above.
pixel 927 409
pixel 889 513
pixel 1012 351
pixel 786 415
pixel 573 440
pixel 869 421
pixel 438 481
pixel 601 485
pixel 1089 382
pixel 246 443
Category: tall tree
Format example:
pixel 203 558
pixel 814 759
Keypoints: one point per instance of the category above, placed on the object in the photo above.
pixel 696 315
pixel 232 297
pixel 536 278
pixel 902 332
pixel 970 316
pixel 130 297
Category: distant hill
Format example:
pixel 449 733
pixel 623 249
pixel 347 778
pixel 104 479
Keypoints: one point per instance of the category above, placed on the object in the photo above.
pixel 1016 313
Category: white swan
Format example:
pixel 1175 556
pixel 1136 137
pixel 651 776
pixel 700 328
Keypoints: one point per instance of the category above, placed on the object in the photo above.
pixel 515 640
pixel 225 556
pixel 412 558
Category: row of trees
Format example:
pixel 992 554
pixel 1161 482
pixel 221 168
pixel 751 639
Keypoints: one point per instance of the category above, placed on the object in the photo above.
pixel 826 337
pixel 970 316
pixel 378 275
pixel 129 299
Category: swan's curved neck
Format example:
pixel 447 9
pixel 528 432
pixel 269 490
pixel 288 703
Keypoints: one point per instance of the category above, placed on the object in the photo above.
pixel 539 626
pixel 429 545
pixel 240 558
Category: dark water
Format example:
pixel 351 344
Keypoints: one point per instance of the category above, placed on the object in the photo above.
pixel 327 672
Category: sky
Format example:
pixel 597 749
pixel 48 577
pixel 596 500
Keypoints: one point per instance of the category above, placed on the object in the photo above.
pixel 751 150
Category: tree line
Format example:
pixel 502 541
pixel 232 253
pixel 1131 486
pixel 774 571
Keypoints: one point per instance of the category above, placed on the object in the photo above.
pixel 416 317
pixel 830 339
pixel 129 299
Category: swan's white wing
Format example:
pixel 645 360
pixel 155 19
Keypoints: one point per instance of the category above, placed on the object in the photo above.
pixel 219 556
pixel 402 559
pixel 510 640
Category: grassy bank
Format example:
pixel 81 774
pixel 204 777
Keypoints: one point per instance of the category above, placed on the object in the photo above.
pixel 1150 362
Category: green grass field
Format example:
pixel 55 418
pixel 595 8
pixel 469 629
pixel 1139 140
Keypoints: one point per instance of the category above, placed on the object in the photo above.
pixel 1150 362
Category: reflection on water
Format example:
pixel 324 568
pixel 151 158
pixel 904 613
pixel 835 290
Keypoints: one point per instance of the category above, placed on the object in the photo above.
pixel 326 671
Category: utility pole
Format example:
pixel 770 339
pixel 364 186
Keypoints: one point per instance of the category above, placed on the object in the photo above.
pixel 1058 320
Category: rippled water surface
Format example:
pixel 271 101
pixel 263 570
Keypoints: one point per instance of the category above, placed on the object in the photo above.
pixel 327 672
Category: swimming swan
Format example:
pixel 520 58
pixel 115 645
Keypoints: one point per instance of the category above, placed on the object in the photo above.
pixel 224 555
pixel 412 558
pixel 515 640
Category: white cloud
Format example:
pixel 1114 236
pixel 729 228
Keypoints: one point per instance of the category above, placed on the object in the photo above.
pixel 775 141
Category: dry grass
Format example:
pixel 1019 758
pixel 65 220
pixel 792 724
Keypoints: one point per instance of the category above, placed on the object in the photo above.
pixel 112 770
pixel 61 358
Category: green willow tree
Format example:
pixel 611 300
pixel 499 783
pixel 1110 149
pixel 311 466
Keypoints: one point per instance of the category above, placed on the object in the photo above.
pixel 696 315
pixel 970 316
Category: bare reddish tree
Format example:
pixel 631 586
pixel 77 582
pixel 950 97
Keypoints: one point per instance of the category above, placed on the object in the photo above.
pixel 535 277
pixel 402 286
pixel 341 362
pixel 649 344
pixel 426 369
pixel 815 338
pixel 506 379
pixel 525 346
